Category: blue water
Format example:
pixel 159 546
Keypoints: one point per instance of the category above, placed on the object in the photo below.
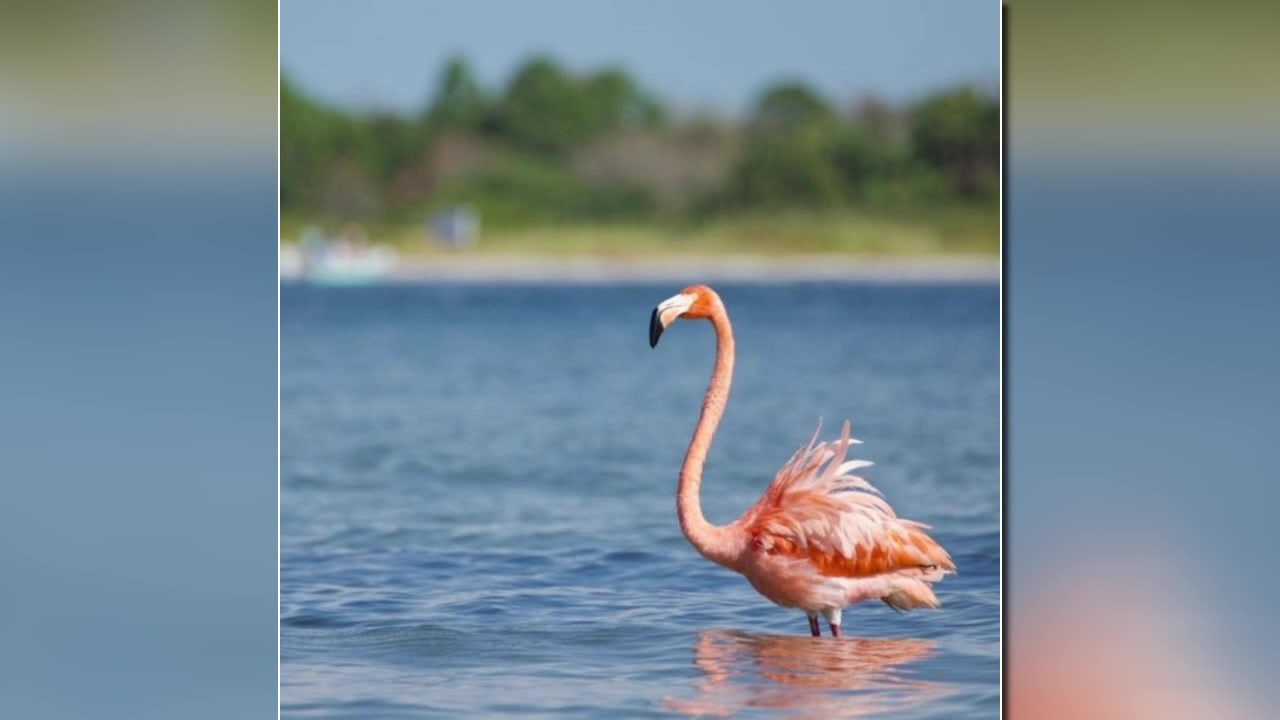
pixel 478 515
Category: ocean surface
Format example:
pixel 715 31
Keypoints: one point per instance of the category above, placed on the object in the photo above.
pixel 478 500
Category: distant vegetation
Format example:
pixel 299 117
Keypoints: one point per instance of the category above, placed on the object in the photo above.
pixel 555 148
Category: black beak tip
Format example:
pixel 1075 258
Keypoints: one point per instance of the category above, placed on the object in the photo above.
pixel 655 329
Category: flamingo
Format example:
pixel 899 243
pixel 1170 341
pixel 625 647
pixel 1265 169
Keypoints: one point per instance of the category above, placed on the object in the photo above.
pixel 820 538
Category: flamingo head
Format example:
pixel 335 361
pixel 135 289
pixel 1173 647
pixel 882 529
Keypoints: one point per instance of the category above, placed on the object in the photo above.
pixel 694 302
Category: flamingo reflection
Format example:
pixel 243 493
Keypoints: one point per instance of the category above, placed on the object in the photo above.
pixel 850 677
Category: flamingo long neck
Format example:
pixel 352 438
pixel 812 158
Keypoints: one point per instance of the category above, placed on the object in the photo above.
pixel 716 543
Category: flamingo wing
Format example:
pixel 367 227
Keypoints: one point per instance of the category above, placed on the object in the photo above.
pixel 816 509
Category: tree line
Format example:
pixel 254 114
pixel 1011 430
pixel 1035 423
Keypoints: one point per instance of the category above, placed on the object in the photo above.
pixel 557 146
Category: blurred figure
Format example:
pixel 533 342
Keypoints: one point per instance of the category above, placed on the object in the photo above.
pixel 1111 636
pixel 455 228
pixel 850 677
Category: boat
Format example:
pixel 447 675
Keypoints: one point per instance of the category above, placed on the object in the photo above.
pixel 349 260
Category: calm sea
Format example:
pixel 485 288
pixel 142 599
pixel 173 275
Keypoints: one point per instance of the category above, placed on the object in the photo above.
pixel 478 514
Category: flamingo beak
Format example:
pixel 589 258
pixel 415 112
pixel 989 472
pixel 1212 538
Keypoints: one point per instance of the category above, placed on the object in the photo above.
pixel 666 313
pixel 655 328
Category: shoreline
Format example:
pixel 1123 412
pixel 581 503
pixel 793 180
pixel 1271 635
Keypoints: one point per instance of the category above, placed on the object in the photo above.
pixel 726 268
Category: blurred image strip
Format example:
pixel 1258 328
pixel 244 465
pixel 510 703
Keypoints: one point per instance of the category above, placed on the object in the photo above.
pixel 138 401
pixel 1141 350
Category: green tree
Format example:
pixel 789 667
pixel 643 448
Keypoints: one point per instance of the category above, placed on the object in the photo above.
pixel 308 134
pixel 459 101
pixel 544 109
pixel 554 146
pixel 792 170
pixel 615 100
pixel 790 105
pixel 863 155
pixel 958 132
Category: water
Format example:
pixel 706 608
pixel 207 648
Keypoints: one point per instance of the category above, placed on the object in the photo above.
pixel 478 516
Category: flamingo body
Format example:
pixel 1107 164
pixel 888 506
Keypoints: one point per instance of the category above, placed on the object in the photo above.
pixel 820 538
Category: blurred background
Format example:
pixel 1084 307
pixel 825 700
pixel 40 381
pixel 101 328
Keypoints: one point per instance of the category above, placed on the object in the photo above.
pixel 642 130
pixel 1140 351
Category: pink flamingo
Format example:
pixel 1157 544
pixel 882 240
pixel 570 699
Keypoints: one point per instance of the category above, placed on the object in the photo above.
pixel 820 538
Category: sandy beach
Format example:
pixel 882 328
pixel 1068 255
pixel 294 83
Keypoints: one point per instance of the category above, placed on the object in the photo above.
pixel 734 268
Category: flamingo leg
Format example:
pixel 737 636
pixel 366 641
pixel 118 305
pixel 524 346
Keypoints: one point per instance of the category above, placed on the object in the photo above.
pixel 813 626
pixel 833 619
